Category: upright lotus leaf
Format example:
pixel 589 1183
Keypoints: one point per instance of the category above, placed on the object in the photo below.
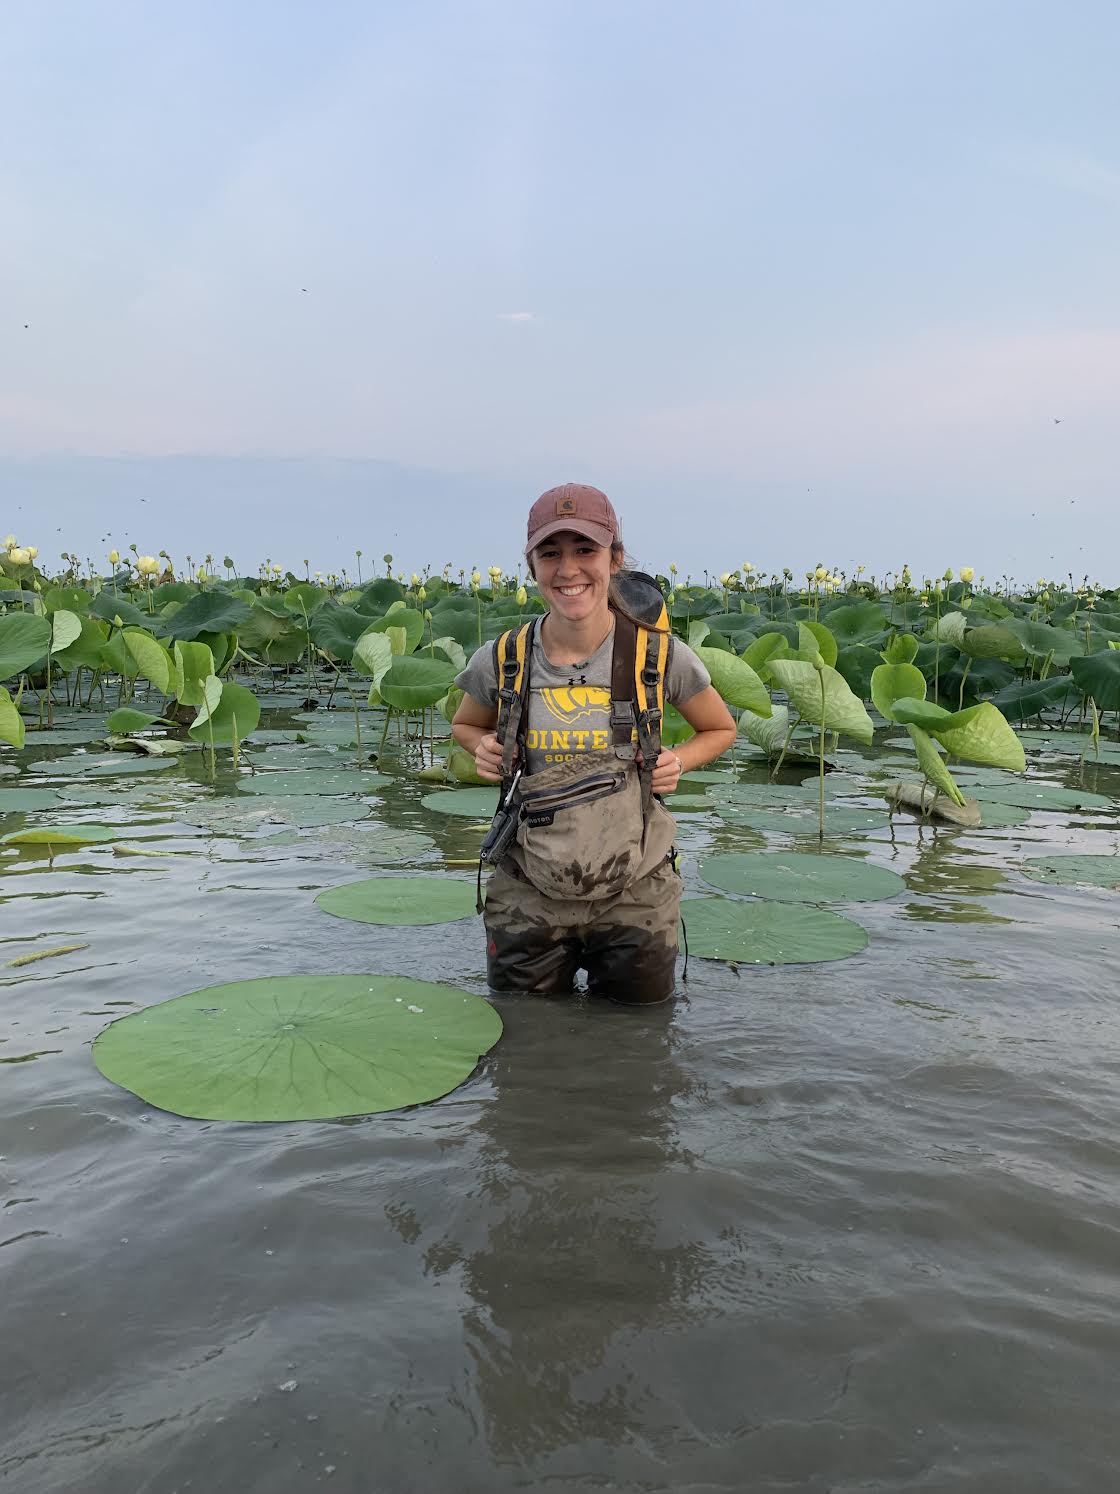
pixel 765 647
pixel 861 622
pixel 305 596
pixel 914 710
pixel 462 765
pixel 814 637
pixel 891 682
pixel 126 719
pixel 1027 698
pixel 414 681
pixel 65 598
pixel 398 640
pixel 87 650
pixel 11 722
pixel 65 628
pixel 269 622
pixel 981 735
pixel 452 650
pixel 450 703
pixel 929 760
pixel 735 680
pixel 402 617
pixel 336 629
pixel 152 659
pixel 195 665
pixel 207 612
pixel 992 641
pixel 902 649
pixel 698 630
pixel 223 646
pixel 837 709
pixel 235 713
pixel 770 735
pixel 24 640
pixel 857 662
pixel 1041 640
pixel 373 654
pixel 674 728
pixel 1097 675
pixel 948 628
pixel 111 605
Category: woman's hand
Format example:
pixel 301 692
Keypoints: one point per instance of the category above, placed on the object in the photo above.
pixel 667 772
pixel 488 758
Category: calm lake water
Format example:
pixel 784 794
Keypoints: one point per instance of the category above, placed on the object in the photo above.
pixel 836 1227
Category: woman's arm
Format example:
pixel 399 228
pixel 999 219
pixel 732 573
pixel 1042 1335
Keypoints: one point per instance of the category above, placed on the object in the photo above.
pixel 473 728
pixel 714 726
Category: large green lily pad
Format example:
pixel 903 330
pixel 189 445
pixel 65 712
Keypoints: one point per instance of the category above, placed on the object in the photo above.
pixel 313 781
pixel 374 844
pixel 688 803
pixel 1076 871
pixel 58 835
pixel 100 765
pixel 234 815
pixel 17 800
pixel 401 900
pixel 761 933
pixel 767 795
pixel 474 803
pixel 1043 796
pixel 299 1047
pixel 800 877
pixel 839 819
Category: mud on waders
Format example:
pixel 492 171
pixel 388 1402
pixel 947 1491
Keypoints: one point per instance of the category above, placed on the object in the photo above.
pixel 638 663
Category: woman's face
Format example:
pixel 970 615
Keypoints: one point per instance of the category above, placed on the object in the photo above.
pixel 573 574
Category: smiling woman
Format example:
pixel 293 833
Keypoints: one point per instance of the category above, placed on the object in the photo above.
pixel 565 713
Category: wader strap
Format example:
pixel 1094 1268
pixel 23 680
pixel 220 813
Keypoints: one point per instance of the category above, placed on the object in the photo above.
pixel 623 715
pixel 650 654
pixel 513 688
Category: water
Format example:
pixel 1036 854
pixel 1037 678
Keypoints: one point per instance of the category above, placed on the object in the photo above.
pixel 839 1227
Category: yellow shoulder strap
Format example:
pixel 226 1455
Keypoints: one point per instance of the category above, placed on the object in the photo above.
pixel 642 693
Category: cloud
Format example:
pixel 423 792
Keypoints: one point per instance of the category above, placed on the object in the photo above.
pixel 516 316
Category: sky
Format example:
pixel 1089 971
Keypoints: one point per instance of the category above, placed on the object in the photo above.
pixel 792 282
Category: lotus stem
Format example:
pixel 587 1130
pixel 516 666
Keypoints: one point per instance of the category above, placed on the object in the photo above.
pixel 820 764
pixel 785 746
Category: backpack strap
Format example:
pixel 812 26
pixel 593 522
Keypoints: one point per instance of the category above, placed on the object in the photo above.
pixel 511 655
pixel 650 657
pixel 623 701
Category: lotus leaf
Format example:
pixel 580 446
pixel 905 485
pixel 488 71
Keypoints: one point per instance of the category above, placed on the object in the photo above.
pixel 735 680
pixel 336 629
pixel 313 780
pixel 765 647
pixel 236 714
pixel 207 612
pixel 914 710
pixel 110 605
pixel 981 735
pixel 1075 871
pixel 992 641
pixel 373 654
pixel 414 681
pixel 838 819
pixel 242 816
pixel 1026 698
pixel 948 628
pixel 12 728
pixel 24 640
pixel 861 622
pixel 931 765
pixel 126 718
pixel 1043 641
pixel 1097 675
pixel 401 900
pixel 893 682
pixel 798 877
pixel 473 803
pixel 815 638
pixel 87 650
pixel 858 663
pixel 194 664
pixel 299 1047
pixel 17 800
pixel 837 706
pixel 58 835
pixel 763 933
pixel 403 617
pixel 902 649
pixel 1043 796
pixel 151 659
pixel 65 628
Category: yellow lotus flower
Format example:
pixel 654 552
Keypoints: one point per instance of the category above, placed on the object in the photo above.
pixel 672 569
pixel 415 579
pixel 522 596
pixel 9 541
pixel 147 565
pixel 966 573
pixel 725 579
pixel 495 573
pixel 476 578
pixel 746 568
pixel 821 573
pixel 423 593
pixel 33 551
pixel 114 557
pixel 19 556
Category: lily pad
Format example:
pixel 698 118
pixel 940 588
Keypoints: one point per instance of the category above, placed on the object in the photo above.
pixel 58 835
pixel 709 775
pixel 15 801
pixel 313 781
pixel 1075 871
pixel 401 900
pixel 687 803
pixel 99 765
pixel 800 877
pixel 373 844
pixel 234 815
pixel 838 819
pixel 299 1047
pixel 762 933
pixel 1043 796
pixel 473 803
pixel 767 795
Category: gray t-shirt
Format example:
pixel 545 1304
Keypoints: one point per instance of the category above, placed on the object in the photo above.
pixel 570 705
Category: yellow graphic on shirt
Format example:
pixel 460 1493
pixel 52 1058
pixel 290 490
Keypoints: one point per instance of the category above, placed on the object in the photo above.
pixel 578 721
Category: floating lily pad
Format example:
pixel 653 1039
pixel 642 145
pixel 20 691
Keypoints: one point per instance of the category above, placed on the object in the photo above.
pixel 16 800
pixel 762 933
pixel 1043 796
pixel 235 815
pixel 839 819
pixel 686 803
pixel 373 844
pixel 299 1047
pixel 766 795
pixel 100 765
pixel 58 835
pixel 709 775
pixel 401 900
pixel 473 803
pixel 800 877
pixel 313 781
pixel 1074 871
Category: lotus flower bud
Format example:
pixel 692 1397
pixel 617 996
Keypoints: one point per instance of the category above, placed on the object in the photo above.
pixel 672 569
pixel 423 593
pixel 495 573
pixel 476 578
pixel 415 579
pixel 114 557
pixel 966 574
pixel 522 596
pixel 821 573
pixel 948 573
pixel 725 579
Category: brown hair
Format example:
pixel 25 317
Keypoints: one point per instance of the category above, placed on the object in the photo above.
pixel 614 599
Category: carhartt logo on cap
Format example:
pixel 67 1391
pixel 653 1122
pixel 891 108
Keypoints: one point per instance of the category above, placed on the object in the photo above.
pixel 565 506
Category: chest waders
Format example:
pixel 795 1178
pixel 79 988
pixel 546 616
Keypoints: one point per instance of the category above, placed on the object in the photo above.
pixel 544 821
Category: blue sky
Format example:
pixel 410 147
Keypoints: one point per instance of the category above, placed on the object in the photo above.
pixel 791 281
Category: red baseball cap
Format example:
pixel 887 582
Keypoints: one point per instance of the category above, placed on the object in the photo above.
pixel 576 507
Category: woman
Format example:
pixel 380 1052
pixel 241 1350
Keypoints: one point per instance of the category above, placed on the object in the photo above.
pixel 589 881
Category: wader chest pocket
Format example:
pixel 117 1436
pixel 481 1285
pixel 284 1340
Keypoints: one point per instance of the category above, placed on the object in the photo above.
pixel 580 834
